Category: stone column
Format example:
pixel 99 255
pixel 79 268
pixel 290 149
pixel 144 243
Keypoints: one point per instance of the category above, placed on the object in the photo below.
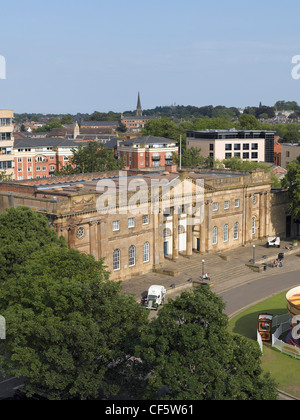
pixel 202 231
pixel 161 236
pixel 71 236
pixel 189 236
pixel 247 219
pixel 156 254
pixel 208 224
pixel 93 239
pixel 189 242
pixel 267 207
pixel 262 216
pixel 99 240
pixel 175 233
pixel 244 218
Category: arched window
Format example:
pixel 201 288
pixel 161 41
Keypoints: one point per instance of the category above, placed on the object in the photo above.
pixel 225 233
pixel 116 260
pixel 181 229
pixel 131 256
pixel 236 231
pixel 215 235
pixel 167 232
pixel 146 252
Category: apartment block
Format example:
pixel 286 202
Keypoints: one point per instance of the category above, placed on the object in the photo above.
pixel 147 152
pixel 6 142
pixel 40 157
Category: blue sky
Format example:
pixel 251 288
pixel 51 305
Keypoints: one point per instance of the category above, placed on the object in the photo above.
pixel 72 56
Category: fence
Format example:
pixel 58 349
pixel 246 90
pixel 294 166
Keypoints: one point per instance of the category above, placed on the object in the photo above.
pixel 284 323
pixel 260 342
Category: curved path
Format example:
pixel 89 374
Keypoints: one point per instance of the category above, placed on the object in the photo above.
pixel 241 297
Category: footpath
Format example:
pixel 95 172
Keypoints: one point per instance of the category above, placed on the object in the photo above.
pixel 226 270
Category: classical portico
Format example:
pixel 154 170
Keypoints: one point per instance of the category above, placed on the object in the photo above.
pixel 232 209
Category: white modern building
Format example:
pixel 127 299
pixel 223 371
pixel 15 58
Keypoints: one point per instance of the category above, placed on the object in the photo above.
pixel 253 145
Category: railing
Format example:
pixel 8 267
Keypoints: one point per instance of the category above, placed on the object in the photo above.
pixel 285 324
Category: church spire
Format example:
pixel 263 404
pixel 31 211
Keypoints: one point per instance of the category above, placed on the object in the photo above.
pixel 139 111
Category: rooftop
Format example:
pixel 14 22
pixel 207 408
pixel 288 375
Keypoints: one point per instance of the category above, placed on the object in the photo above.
pixel 148 140
pixel 43 142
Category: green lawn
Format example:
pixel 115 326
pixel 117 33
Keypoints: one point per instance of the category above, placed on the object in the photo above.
pixel 284 369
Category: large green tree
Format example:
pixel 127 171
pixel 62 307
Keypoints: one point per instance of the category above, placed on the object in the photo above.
pixel 70 332
pixel 22 232
pixel 91 158
pixel 292 183
pixel 190 158
pixel 164 127
pixel 192 356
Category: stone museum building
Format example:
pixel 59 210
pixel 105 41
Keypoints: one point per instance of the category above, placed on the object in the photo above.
pixel 121 216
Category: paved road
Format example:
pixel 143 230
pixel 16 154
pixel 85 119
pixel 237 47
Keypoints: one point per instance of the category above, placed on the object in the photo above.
pixel 248 294
pixel 8 386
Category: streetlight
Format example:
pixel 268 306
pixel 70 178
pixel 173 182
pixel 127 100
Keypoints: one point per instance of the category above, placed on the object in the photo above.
pixel 253 254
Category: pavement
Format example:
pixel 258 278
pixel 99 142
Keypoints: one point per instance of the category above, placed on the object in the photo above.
pixel 226 269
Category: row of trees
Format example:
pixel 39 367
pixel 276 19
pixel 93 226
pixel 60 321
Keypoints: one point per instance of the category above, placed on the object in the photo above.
pixel 292 183
pixel 72 334
pixel 165 127
pixel 179 112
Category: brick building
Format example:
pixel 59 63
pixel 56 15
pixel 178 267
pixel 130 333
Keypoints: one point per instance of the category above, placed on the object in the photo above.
pixel 277 151
pixel 40 157
pixel 147 152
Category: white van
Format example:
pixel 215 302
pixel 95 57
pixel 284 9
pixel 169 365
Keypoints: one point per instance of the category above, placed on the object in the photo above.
pixel 156 297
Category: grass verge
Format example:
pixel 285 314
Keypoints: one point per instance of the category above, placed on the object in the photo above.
pixel 283 368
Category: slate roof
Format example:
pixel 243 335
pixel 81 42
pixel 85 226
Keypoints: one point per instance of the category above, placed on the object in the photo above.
pixel 100 123
pixel 149 140
pixel 43 142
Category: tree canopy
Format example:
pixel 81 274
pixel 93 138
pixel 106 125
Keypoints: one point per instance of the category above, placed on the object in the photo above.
pixel 292 182
pixel 192 356
pixel 91 158
pixel 72 334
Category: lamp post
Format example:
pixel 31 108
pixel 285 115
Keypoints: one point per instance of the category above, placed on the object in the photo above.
pixel 253 254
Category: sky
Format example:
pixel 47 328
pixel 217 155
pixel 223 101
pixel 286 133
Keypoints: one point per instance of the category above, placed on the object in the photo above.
pixel 72 56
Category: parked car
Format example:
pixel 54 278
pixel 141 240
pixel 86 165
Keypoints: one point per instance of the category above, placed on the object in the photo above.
pixel 273 242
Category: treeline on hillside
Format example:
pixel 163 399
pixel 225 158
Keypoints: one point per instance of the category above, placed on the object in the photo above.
pixel 166 127
pixel 190 118
pixel 172 111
